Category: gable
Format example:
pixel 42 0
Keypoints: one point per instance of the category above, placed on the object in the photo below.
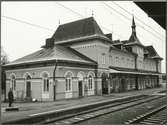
pixel 151 52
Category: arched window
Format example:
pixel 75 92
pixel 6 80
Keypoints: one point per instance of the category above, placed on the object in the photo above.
pixel 45 79
pixel 90 82
pixel 68 76
pixel 13 82
pixel 28 77
pixel 90 76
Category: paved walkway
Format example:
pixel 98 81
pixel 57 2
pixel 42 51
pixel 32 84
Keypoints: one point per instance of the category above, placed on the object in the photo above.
pixel 31 108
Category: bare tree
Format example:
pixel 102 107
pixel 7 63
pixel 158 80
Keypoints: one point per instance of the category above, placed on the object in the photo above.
pixel 4 57
pixel 4 60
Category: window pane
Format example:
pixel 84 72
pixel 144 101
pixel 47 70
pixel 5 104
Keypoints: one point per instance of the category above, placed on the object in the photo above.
pixel 47 84
pixel 91 83
pixel 14 84
pixel 43 85
pixel 44 88
pixel 69 84
pixel 66 84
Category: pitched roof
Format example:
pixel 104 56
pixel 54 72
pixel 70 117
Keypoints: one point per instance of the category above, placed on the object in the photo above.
pixel 77 29
pixel 57 52
pixel 133 40
pixel 152 52
pixel 133 71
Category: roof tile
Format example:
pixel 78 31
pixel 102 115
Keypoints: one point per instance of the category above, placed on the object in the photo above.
pixel 76 29
pixel 57 52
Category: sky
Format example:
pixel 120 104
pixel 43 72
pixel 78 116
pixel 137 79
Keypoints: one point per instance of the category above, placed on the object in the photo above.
pixel 26 25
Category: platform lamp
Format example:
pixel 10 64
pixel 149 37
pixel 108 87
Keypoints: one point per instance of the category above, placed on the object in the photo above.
pixel 54 81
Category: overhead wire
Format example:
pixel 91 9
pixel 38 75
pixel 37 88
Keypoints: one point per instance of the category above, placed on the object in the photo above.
pixel 26 22
pixel 70 9
pixel 136 17
pixel 126 23
pixel 138 33
pixel 39 26
pixel 130 19
pixel 83 17
pixel 42 27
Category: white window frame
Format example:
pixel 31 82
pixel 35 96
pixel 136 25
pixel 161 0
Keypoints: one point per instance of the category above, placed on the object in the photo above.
pixel 45 82
pixel 13 82
pixel 90 82
pixel 90 78
pixel 68 87
pixel 68 81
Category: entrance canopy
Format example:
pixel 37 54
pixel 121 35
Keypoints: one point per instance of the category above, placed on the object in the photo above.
pixel 114 70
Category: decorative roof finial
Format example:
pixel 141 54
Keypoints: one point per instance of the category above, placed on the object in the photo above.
pixel 59 21
pixel 92 13
pixel 133 22
pixel 133 26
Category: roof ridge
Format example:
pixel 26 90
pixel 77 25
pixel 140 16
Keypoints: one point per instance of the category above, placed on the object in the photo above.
pixel 76 29
pixel 75 21
pixel 96 27
pixel 58 52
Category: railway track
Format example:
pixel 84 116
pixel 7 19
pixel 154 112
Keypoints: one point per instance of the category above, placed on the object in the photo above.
pixel 156 116
pixel 93 113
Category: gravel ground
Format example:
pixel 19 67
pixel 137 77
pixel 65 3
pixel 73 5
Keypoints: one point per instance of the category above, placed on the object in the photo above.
pixel 26 109
pixel 122 116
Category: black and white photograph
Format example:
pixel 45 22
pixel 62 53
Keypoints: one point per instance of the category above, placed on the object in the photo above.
pixel 83 62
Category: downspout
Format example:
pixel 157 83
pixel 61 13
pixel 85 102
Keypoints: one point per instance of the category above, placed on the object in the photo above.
pixel 157 66
pixel 54 81
pixel 96 76
pixel 136 76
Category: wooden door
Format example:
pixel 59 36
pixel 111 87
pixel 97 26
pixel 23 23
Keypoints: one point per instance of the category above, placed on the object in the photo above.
pixel 80 88
pixel 28 89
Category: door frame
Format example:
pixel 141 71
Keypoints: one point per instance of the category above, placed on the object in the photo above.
pixel 28 82
pixel 81 76
pixel 104 83
pixel 80 88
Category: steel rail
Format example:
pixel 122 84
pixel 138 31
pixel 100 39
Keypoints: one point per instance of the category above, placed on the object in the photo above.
pixel 156 116
pixel 86 115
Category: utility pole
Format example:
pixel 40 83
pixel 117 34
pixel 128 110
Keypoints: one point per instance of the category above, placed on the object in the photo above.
pixel 0 83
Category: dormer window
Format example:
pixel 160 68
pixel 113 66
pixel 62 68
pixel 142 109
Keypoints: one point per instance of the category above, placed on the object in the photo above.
pixel 129 49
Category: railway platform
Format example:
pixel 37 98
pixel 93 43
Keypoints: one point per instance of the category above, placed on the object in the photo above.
pixel 34 109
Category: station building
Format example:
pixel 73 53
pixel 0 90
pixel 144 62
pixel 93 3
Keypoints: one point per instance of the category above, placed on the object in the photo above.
pixel 80 60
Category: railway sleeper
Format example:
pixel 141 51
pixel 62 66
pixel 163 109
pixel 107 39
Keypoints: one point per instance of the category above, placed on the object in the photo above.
pixel 146 123
pixel 103 112
pixel 154 119
pixel 117 103
pixel 143 117
pixel 146 120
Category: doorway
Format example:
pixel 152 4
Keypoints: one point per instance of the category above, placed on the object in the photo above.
pixel 28 89
pixel 123 85
pixel 80 88
pixel 104 84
